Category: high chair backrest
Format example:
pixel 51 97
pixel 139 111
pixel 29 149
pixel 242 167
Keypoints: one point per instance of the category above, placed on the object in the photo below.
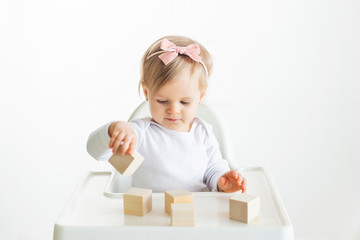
pixel 207 114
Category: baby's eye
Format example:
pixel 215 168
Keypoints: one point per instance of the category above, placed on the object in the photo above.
pixel 184 102
pixel 162 101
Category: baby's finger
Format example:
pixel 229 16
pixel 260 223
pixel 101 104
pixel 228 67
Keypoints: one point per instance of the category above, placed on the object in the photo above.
pixel 221 183
pixel 116 147
pixel 118 141
pixel 132 146
pixel 131 149
pixel 112 139
pixel 125 145
pixel 240 178
pixel 244 185
pixel 233 174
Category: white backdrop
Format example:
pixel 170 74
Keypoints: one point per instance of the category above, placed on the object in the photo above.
pixel 286 79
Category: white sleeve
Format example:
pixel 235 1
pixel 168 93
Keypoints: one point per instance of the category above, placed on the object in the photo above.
pixel 139 126
pixel 217 166
pixel 98 143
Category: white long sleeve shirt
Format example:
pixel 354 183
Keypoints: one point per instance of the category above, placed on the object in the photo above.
pixel 172 159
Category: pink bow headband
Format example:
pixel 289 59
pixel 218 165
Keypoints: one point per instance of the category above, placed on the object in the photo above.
pixel 170 51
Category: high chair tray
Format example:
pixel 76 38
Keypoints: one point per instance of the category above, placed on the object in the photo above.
pixel 92 213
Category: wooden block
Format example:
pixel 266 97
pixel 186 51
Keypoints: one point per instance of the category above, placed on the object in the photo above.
pixel 177 196
pixel 244 208
pixel 137 201
pixel 126 164
pixel 182 214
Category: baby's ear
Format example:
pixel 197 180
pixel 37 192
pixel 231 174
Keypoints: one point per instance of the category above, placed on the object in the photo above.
pixel 146 91
pixel 202 97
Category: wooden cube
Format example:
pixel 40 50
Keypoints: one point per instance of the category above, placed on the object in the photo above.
pixel 137 201
pixel 182 214
pixel 244 208
pixel 126 164
pixel 177 196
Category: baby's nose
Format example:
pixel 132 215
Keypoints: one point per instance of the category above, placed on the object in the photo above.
pixel 173 109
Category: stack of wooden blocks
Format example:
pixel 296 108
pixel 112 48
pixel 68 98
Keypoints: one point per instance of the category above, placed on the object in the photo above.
pixel 180 205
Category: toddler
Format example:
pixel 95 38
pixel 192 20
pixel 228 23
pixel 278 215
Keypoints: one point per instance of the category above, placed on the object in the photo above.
pixel 180 150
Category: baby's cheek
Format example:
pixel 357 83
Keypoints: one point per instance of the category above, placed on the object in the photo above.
pixel 192 113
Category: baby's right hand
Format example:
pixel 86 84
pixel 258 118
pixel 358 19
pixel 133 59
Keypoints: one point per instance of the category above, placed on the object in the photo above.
pixel 123 137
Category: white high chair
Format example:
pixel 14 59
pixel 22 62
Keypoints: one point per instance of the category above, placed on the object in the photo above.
pixel 209 115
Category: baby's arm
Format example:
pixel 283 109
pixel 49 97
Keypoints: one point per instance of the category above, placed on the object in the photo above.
pixel 122 137
pixel 231 181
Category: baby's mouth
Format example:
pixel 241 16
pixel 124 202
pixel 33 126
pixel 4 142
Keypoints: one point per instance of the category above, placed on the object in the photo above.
pixel 171 119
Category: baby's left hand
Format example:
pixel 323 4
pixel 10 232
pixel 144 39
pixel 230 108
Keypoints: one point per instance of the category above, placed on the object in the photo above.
pixel 231 181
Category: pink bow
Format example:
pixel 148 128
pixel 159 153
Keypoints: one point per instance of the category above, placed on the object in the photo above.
pixel 172 51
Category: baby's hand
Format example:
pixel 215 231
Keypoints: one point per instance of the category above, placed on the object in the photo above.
pixel 232 181
pixel 123 137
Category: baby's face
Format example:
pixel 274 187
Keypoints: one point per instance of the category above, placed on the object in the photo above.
pixel 175 104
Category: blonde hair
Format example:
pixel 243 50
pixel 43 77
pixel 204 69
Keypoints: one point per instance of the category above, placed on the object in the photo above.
pixel 154 73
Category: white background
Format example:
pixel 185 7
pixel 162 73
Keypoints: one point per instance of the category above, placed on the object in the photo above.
pixel 286 79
